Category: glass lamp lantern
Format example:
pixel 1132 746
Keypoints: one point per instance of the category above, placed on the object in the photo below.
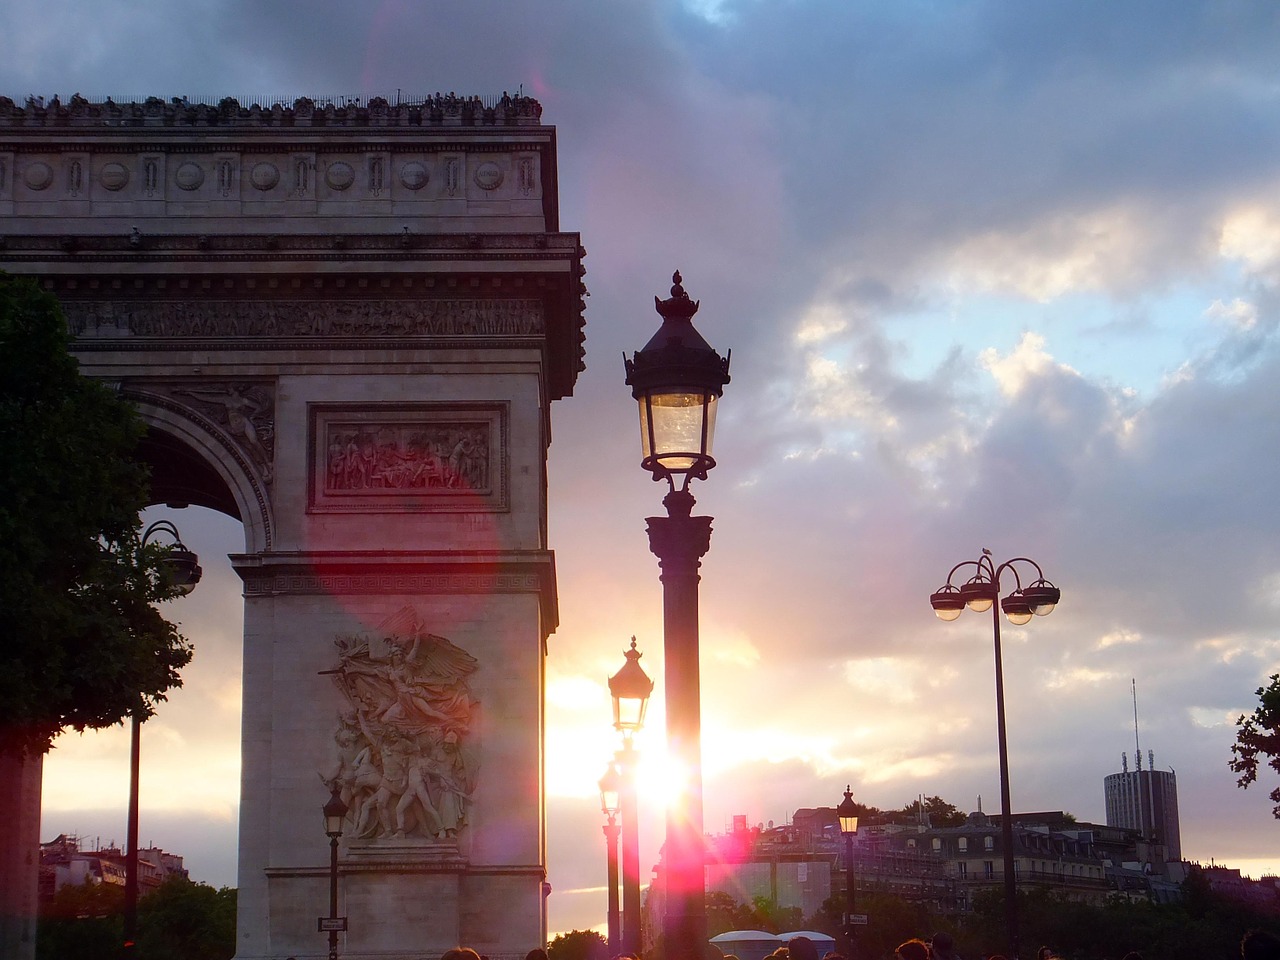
pixel 611 791
pixel 630 688
pixel 335 814
pixel 847 813
pixel 179 567
pixel 677 380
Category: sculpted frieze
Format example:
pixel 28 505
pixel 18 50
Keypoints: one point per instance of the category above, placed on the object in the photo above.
pixel 380 458
pixel 368 457
pixel 405 761
pixel 332 318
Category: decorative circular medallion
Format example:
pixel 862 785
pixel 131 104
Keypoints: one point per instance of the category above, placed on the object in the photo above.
pixel 489 176
pixel 264 176
pixel 38 175
pixel 414 175
pixel 189 176
pixel 114 176
pixel 339 176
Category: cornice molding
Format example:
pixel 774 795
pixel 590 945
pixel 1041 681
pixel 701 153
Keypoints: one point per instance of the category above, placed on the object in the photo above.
pixel 402 573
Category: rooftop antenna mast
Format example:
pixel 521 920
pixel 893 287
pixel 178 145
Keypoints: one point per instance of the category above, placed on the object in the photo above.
pixel 1137 748
pixel 1137 755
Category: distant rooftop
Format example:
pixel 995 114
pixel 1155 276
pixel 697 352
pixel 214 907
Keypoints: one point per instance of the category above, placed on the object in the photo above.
pixel 444 110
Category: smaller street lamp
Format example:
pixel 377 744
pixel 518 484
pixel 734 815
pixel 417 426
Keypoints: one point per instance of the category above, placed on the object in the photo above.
pixel 335 815
pixel 610 801
pixel 630 688
pixel 847 813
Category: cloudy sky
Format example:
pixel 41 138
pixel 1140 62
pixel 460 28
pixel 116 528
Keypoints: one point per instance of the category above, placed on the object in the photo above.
pixel 995 274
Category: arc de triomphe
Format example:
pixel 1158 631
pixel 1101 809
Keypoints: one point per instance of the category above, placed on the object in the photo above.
pixel 344 324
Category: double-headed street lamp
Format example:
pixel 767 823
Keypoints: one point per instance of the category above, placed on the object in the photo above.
pixel 677 380
pixel 630 689
pixel 979 593
pixel 847 814
pixel 180 568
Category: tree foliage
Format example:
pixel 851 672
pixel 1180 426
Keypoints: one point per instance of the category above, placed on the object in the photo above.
pixel 578 945
pixel 180 920
pixel 1202 926
pixel 1259 736
pixel 187 921
pixel 84 645
pixel 940 813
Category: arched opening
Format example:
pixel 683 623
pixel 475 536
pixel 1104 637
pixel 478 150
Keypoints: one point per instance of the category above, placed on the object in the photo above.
pixel 190 756
pixel 180 477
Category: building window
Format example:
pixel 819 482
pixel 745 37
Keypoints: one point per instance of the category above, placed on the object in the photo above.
pixel 988 868
pixel 988 843
pixel 962 870
pixel 964 844
pixel 937 844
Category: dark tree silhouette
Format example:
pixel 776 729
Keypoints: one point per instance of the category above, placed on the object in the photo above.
pixel 1259 736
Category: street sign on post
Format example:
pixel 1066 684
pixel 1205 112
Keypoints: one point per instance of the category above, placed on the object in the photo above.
pixel 331 925
pixel 858 919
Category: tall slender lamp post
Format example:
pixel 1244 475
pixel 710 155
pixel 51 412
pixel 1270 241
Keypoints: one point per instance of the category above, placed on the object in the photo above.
pixel 181 568
pixel 335 813
pixel 847 813
pixel 979 593
pixel 630 689
pixel 677 380
pixel 610 788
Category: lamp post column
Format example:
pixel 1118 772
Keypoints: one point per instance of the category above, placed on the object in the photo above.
pixel 680 541
pixel 630 809
pixel 1006 811
pixel 611 831
pixel 333 897
pixel 131 837
pixel 850 896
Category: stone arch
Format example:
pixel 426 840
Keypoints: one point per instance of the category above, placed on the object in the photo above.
pixel 254 325
pixel 194 461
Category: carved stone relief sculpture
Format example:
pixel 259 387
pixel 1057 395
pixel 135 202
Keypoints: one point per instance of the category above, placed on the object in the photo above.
pixel 247 411
pixel 405 759
pixel 114 176
pixel 397 456
pixel 407 458
pixel 335 318
pixel 226 171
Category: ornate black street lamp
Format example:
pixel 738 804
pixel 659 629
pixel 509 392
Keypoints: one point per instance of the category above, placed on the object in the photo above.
pixel 610 790
pixel 181 569
pixel 630 689
pixel 847 813
pixel 335 814
pixel 678 379
pixel 979 593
